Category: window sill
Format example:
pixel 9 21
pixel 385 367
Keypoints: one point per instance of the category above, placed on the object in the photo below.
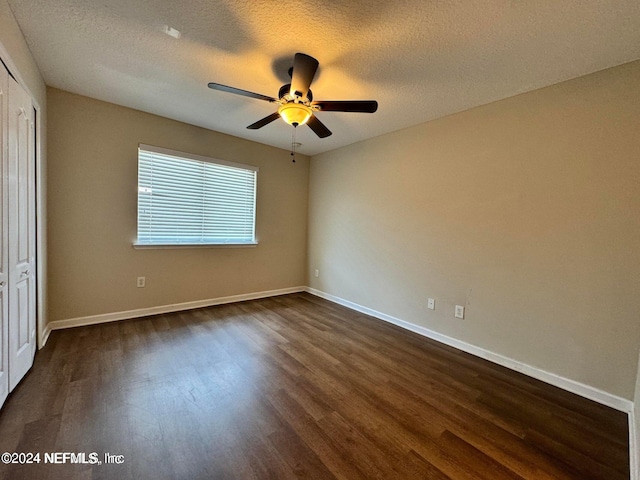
pixel 167 246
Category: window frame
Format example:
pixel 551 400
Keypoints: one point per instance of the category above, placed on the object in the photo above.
pixel 178 155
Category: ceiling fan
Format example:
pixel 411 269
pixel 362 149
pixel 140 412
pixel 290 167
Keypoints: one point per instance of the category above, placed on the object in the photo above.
pixel 295 99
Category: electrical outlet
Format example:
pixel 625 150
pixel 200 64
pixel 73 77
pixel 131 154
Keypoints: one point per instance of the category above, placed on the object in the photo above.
pixel 141 282
pixel 459 311
pixel 317 273
pixel 431 304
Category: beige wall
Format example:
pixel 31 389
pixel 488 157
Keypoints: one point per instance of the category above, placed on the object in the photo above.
pixel 526 211
pixel 92 214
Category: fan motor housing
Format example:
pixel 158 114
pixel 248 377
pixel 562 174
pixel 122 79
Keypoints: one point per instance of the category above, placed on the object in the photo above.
pixel 284 93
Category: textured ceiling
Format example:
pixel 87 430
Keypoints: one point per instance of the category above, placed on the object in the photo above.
pixel 420 59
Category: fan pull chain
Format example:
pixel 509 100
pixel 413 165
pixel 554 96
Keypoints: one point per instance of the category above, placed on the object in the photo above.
pixel 293 145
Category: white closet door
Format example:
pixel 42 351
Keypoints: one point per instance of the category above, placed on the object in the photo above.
pixel 4 275
pixel 22 294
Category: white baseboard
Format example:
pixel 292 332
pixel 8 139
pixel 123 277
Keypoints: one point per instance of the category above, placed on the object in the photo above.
pixel 176 307
pixel 45 336
pixel 572 386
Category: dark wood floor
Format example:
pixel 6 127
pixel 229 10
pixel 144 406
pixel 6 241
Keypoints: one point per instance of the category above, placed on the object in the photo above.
pixel 295 387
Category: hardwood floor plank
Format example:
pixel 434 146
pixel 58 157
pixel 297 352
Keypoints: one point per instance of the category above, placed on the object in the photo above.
pixel 370 457
pixel 475 461
pixel 585 467
pixel 489 437
pixel 312 435
pixel 584 440
pixel 302 460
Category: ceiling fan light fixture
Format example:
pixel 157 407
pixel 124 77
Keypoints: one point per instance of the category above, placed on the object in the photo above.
pixel 295 113
pixel 295 100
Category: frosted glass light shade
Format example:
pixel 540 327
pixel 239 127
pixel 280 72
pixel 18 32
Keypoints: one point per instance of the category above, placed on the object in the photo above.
pixel 295 113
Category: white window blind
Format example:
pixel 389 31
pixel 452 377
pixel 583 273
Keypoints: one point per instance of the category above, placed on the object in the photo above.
pixel 186 199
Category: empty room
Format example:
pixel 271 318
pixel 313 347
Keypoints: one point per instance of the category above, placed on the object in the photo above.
pixel 320 240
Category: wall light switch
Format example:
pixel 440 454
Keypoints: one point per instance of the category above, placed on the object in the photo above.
pixel 459 311
pixel 431 304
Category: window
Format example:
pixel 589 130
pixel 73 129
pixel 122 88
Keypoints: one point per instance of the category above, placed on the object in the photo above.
pixel 186 199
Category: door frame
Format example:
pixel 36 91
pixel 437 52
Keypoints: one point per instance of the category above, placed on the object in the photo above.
pixel 42 331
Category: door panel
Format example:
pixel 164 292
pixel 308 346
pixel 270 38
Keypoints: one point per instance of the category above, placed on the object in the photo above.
pixel 22 333
pixel 4 275
pixel 21 251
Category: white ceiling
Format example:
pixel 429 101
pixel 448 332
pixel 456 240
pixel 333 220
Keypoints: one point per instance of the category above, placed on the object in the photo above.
pixel 420 59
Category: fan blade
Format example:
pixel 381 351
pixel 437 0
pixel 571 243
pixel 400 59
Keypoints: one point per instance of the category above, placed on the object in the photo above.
pixel 304 69
pixel 237 91
pixel 318 127
pixel 362 106
pixel 264 121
